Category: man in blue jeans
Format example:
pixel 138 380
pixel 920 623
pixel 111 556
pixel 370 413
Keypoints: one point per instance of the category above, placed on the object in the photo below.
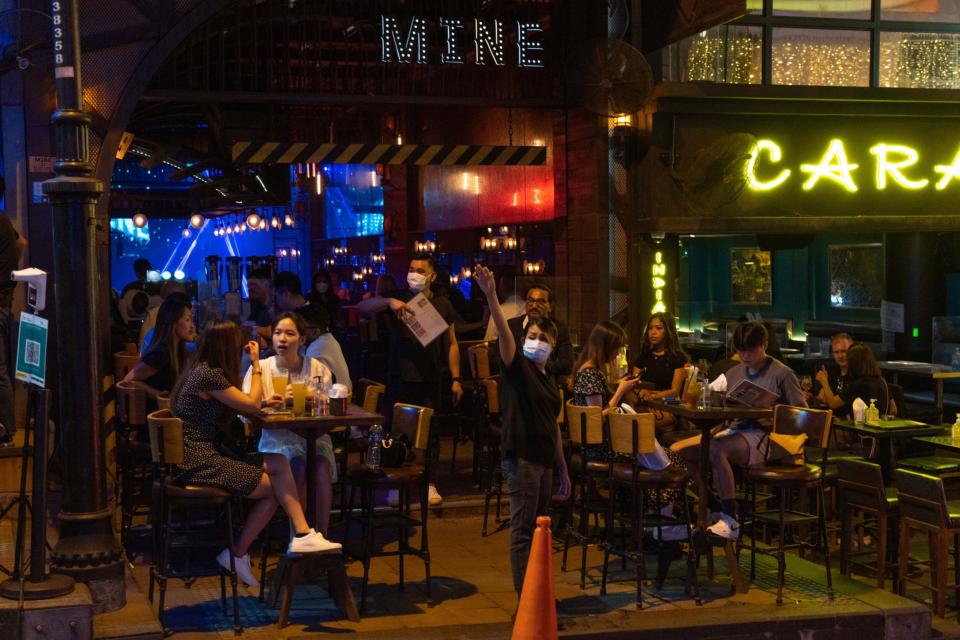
pixel 11 248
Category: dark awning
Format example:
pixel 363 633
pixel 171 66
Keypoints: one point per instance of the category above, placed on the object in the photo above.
pixel 667 21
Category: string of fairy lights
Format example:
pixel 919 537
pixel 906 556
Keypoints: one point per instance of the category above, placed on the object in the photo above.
pixel 909 60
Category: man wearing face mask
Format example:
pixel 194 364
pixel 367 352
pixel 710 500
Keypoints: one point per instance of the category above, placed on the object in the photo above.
pixel 539 304
pixel 414 371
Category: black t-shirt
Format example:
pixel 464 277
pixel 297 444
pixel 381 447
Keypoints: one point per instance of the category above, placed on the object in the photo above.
pixel 835 376
pixel 529 405
pixel 158 357
pixel 260 314
pixel 8 260
pixel 409 360
pixel 659 369
pixel 872 388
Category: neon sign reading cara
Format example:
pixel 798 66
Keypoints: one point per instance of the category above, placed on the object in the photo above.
pixel 893 164
pixel 488 42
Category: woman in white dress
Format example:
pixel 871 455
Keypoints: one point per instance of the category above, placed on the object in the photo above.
pixel 289 338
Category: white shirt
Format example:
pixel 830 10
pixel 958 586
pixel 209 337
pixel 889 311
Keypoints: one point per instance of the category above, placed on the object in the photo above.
pixel 512 307
pixel 327 350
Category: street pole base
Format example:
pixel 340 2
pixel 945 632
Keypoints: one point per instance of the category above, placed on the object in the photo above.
pixel 54 586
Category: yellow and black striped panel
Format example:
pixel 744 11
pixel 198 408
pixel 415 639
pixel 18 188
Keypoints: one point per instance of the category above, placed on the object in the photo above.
pixel 411 154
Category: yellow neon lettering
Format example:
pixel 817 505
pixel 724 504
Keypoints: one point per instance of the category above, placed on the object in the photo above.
pixel 773 150
pixel 833 166
pixel 658 257
pixel 659 269
pixel 949 171
pixel 658 294
pixel 659 283
pixel 887 167
pixel 659 308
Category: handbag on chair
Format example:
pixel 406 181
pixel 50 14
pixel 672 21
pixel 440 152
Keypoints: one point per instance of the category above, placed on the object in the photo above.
pixel 395 451
pixel 783 449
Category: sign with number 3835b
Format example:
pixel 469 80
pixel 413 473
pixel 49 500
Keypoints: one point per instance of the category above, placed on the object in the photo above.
pixel 32 349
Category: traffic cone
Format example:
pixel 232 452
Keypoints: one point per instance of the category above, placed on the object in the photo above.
pixel 537 613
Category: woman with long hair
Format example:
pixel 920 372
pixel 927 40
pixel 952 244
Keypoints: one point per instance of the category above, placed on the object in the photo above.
pixel 206 398
pixel 163 359
pixel 323 293
pixel 599 364
pixel 863 380
pixel 661 360
pixel 531 443
pixel 289 338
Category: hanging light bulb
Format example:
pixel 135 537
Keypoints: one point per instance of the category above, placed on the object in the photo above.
pixel 186 232
pixel 253 220
pixel 196 221
pixel 263 224
pixel 140 220
pixel 229 230
pixel 275 223
pixel 288 220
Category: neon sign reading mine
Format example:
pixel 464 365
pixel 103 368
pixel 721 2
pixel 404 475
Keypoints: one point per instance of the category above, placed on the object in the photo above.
pixel 488 41
pixel 893 165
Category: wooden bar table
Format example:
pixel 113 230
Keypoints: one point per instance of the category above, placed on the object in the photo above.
pixel 290 569
pixel 936 372
pixel 886 432
pixel 311 428
pixel 705 420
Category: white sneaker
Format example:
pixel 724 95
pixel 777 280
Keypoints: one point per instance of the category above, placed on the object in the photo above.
pixel 726 527
pixel 241 565
pixel 433 496
pixel 313 542
pixel 393 497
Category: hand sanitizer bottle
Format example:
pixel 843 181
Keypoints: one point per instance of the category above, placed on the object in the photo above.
pixel 955 431
pixel 873 414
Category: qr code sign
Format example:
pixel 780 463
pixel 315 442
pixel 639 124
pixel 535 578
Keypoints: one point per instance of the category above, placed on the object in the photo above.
pixel 32 354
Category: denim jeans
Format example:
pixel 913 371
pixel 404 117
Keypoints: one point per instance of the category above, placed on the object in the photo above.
pixel 530 486
pixel 7 424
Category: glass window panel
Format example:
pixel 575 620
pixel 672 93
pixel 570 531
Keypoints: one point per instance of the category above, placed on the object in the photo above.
pixel 920 60
pixel 920 10
pixel 851 9
pixel 353 195
pixel 725 54
pixel 856 276
pixel 820 57
pixel 755 6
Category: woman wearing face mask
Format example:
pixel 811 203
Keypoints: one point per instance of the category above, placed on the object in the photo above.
pixel 323 294
pixel 530 441
pixel 289 337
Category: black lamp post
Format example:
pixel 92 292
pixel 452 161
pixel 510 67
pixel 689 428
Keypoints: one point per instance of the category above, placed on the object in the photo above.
pixel 87 549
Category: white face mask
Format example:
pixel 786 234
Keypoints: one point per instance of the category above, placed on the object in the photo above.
pixel 536 350
pixel 322 287
pixel 416 281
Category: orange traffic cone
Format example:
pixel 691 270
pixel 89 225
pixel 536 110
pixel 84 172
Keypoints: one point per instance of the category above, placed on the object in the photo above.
pixel 537 614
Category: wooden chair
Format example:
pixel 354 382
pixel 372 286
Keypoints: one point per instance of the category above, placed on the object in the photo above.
pixel 630 435
pixel 784 478
pixel 586 427
pixel 924 507
pixel 860 487
pixel 163 400
pixel 122 363
pixel 414 423
pixel 188 534
pixel 133 459
pixel 491 472
pixel 476 371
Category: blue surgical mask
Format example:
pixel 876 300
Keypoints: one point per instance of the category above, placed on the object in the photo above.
pixel 536 350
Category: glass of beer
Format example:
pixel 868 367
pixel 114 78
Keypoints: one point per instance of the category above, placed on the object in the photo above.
pixel 279 379
pixel 298 386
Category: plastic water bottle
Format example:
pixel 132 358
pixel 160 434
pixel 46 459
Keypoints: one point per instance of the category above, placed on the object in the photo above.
pixel 372 460
pixel 703 398
pixel 955 431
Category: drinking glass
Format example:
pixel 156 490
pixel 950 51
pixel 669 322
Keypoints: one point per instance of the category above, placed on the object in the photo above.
pixel 298 386
pixel 806 383
pixel 279 380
